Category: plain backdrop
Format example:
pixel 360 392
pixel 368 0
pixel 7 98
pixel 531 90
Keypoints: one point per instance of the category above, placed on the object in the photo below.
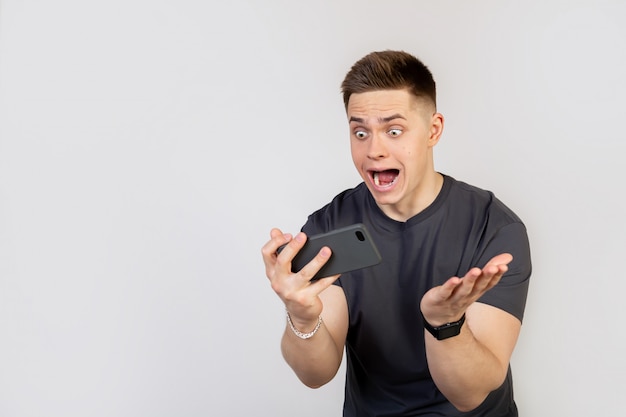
pixel 148 147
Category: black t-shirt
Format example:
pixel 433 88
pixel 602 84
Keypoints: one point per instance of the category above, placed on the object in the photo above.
pixel 387 372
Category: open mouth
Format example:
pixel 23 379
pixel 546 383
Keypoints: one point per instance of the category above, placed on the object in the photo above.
pixel 384 178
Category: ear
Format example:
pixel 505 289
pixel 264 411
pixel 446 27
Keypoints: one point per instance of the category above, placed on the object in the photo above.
pixel 436 129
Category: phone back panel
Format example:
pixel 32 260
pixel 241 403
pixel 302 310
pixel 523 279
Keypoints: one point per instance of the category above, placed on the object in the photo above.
pixel 352 248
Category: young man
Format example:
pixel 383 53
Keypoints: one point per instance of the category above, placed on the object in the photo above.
pixel 430 330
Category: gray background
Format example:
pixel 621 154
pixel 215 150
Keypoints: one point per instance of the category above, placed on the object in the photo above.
pixel 147 148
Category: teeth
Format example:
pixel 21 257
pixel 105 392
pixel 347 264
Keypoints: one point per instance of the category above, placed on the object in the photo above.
pixel 376 180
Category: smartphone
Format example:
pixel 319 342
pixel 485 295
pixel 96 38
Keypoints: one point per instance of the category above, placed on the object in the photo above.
pixel 352 248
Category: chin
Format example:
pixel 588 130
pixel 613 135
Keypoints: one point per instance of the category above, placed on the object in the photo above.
pixel 383 199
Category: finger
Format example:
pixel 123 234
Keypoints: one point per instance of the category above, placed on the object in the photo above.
pixel 446 291
pixel 501 259
pixel 277 238
pixel 465 284
pixel 292 248
pixel 473 285
pixel 310 269
pixel 275 233
pixel 485 279
pixel 480 280
pixel 268 250
pixel 318 286
pixel 468 284
pixel 494 275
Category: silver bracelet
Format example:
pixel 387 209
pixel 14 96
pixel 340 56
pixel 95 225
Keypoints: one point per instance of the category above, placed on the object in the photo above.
pixel 299 333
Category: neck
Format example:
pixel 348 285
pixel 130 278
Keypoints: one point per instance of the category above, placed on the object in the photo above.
pixel 426 194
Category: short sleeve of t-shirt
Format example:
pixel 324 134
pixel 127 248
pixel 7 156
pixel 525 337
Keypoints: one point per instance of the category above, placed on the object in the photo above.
pixel 510 293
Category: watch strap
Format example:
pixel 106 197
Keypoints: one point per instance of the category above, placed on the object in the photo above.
pixel 445 331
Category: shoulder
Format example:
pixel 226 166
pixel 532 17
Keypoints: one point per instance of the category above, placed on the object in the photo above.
pixel 344 209
pixel 465 191
pixel 464 196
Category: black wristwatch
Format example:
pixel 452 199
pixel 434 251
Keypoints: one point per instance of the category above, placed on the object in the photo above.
pixel 445 331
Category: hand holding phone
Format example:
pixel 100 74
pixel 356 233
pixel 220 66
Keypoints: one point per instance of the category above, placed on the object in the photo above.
pixel 352 248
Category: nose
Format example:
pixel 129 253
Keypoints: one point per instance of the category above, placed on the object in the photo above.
pixel 377 148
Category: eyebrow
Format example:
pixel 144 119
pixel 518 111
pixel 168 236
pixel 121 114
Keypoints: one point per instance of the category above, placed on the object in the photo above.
pixel 380 119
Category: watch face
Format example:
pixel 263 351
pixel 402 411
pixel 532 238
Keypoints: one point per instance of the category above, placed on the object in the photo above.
pixel 445 331
pixel 449 329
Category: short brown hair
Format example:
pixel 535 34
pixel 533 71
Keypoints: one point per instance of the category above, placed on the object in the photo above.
pixel 389 70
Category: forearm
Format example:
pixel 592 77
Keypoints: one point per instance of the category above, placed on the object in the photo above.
pixel 463 369
pixel 315 360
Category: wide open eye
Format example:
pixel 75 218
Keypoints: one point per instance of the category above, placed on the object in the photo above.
pixel 394 132
pixel 360 134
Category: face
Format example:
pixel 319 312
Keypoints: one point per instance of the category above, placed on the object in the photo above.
pixel 392 135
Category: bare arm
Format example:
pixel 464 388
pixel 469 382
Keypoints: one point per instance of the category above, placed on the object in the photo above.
pixel 315 360
pixel 467 367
